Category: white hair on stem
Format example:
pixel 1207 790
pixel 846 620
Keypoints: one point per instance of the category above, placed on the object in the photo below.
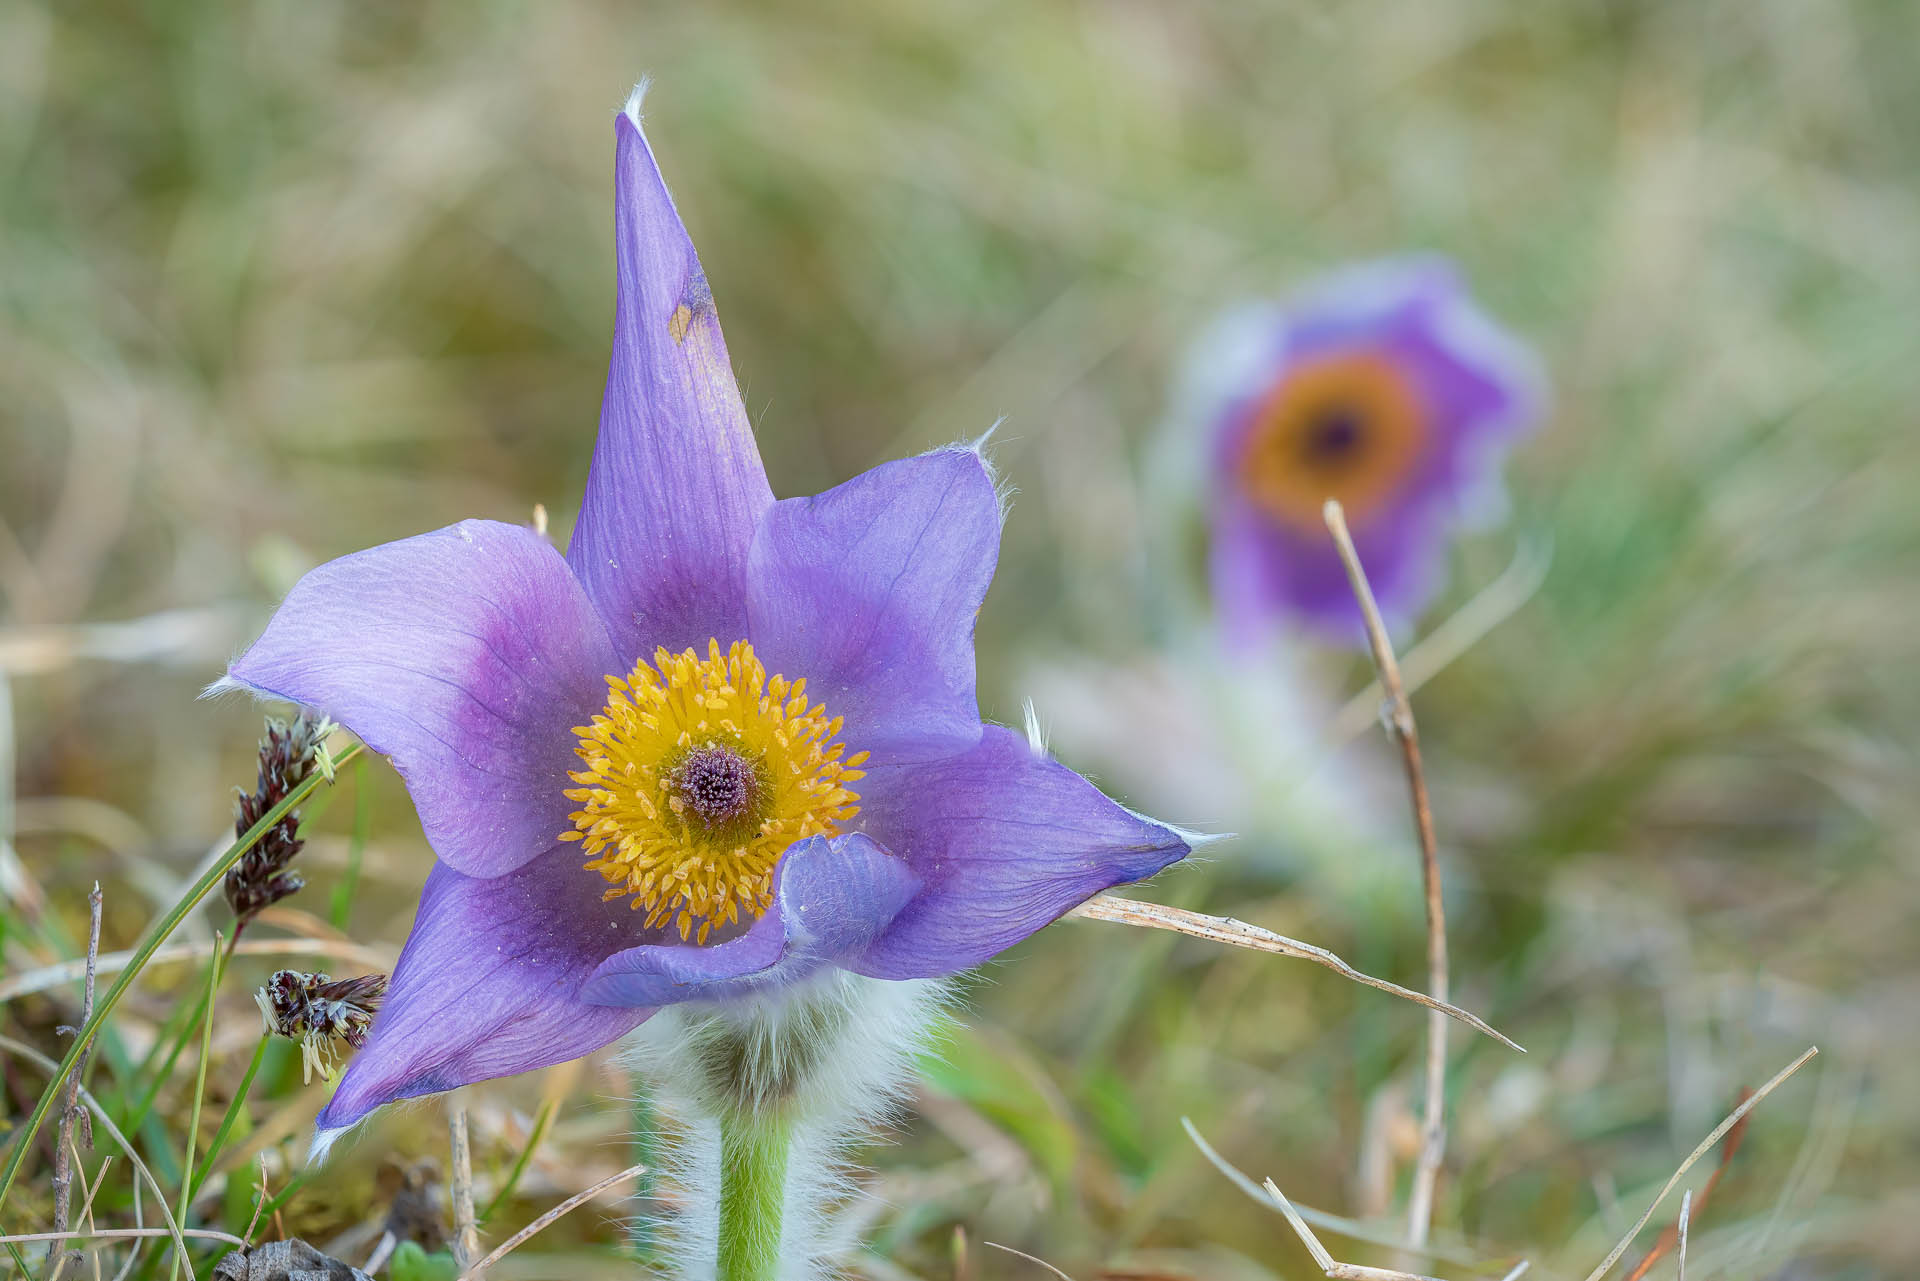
pixel 835 1054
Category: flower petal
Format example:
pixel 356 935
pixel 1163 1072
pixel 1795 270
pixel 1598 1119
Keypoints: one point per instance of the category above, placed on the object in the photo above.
pixel 676 485
pixel 1263 571
pixel 1005 841
pixel 488 984
pixel 869 591
pixel 832 897
pixel 1478 389
pixel 465 656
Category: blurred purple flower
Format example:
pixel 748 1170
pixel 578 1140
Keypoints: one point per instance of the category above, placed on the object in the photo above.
pixel 723 745
pixel 1382 385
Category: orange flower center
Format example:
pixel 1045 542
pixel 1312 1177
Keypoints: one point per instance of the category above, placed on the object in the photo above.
pixel 1345 426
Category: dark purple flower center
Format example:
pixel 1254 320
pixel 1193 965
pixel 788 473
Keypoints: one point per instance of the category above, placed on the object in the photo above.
pixel 1336 434
pixel 717 783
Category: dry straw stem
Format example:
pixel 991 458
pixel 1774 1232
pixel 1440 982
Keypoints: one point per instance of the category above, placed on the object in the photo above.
pixel 466 1231
pixel 1493 605
pixel 1332 1267
pixel 46 1064
pixel 63 1138
pixel 113 962
pixel 118 1234
pixel 1433 1144
pixel 1353 1228
pixel 546 1220
pixel 1686 1212
pixel 1022 1254
pixel 1692 1205
pixel 1706 1145
pixel 1225 929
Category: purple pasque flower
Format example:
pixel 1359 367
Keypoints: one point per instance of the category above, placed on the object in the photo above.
pixel 722 745
pixel 1382 385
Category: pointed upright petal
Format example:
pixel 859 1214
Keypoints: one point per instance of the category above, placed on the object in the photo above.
pixel 869 591
pixel 832 897
pixel 676 485
pixel 465 656
pixel 1004 842
pixel 488 984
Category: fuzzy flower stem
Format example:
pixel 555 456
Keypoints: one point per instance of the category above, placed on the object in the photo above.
pixel 753 1185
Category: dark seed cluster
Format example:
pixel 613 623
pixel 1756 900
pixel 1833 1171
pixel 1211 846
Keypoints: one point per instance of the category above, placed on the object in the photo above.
pixel 317 1010
pixel 263 876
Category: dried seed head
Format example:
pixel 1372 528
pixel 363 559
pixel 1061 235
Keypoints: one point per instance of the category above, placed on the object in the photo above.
pixel 288 754
pixel 317 1010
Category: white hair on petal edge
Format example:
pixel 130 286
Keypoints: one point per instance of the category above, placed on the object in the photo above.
pixel 838 1052
pixel 1003 490
pixel 323 1141
pixel 1036 737
pixel 979 443
pixel 1194 840
pixel 632 110
pixel 227 685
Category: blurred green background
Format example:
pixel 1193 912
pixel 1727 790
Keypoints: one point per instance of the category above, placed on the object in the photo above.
pixel 281 280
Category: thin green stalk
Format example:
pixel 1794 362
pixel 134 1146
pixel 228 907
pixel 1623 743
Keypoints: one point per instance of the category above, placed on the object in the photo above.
pixel 342 906
pixel 753 1193
pixel 144 953
pixel 174 1035
pixel 234 1109
pixel 171 1038
pixel 199 1089
pixel 539 1132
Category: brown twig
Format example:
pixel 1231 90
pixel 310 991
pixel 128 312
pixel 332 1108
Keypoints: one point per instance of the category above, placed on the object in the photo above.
pixel 86 1209
pixel 1668 1238
pixel 260 1201
pixel 466 1230
pixel 63 1142
pixel 1720 1131
pixel 1494 604
pixel 1225 929
pixel 540 1224
pixel 1433 1143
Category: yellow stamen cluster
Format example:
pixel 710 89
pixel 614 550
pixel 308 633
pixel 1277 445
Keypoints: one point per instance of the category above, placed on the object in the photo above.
pixel 699 774
pixel 1346 426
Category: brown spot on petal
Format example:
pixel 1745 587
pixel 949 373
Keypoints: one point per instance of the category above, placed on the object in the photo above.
pixel 677 324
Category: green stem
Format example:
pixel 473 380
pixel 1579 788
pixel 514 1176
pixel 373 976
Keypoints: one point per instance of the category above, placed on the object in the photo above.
pixel 199 1090
pixel 343 893
pixel 171 1040
pixel 539 1132
pixel 233 1112
pixel 144 953
pixel 646 1151
pixel 753 1193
